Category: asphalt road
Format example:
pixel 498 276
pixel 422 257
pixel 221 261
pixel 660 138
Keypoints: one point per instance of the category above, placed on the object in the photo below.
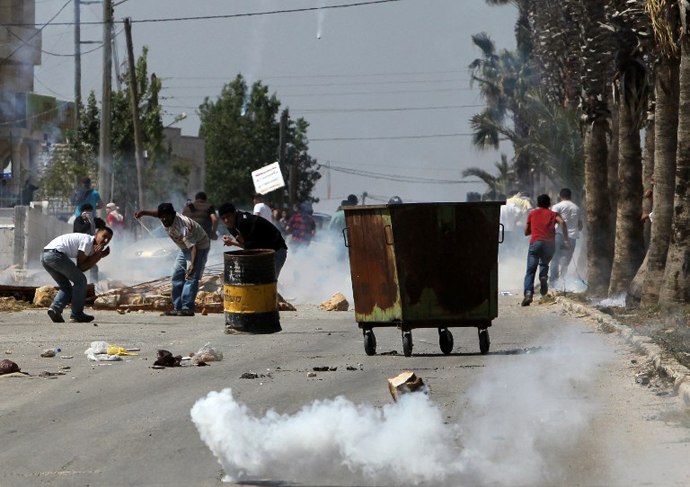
pixel 554 403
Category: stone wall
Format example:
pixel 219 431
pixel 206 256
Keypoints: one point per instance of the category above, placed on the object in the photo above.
pixel 23 239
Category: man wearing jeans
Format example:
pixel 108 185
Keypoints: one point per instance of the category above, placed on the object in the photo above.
pixel 571 213
pixel 541 225
pixel 57 260
pixel 194 246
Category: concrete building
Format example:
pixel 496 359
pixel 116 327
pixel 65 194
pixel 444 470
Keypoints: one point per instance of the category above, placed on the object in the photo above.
pixel 191 150
pixel 28 121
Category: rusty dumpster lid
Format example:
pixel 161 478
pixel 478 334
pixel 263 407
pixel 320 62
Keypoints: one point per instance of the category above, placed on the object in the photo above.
pixel 431 203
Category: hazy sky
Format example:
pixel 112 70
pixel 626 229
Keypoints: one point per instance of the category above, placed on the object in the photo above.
pixel 399 55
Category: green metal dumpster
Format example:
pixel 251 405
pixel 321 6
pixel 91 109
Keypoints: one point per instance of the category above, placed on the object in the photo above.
pixel 424 265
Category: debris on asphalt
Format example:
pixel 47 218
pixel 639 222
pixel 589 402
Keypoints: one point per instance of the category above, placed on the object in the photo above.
pixel 642 379
pixel 10 303
pixel 115 350
pixel 320 369
pixel 44 296
pixel 50 352
pixel 336 303
pixel 283 305
pixel 392 352
pixel 204 312
pixel 350 367
pixel 8 367
pixel 405 383
pixel 50 375
pixel 311 374
pixel 166 359
pixel 251 375
pixel 121 311
pixel 207 354
pixel 8 352
pixel 66 357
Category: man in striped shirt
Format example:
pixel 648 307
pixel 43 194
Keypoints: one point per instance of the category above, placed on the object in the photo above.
pixel 302 227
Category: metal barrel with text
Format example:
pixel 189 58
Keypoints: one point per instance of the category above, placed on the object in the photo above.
pixel 250 290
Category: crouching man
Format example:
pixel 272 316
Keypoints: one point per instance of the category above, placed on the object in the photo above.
pixel 194 245
pixel 253 232
pixel 57 260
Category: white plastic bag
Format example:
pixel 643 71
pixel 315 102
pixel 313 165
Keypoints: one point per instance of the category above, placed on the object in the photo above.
pixel 97 347
pixel 208 354
pixel 103 357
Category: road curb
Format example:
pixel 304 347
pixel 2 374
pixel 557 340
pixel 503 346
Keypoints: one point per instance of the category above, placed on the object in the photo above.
pixel 663 362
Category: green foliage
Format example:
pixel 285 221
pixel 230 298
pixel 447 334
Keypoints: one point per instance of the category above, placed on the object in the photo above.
pixel 500 183
pixel 242 131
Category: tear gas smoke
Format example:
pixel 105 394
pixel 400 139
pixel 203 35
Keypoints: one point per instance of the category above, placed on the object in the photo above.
pixel 518 425
pixel 315 274
pixel 320 18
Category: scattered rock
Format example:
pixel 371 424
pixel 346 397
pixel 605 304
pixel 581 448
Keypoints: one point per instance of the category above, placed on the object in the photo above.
pixel 204 312
pixel 8 367
pixel 250 375
pixel 311 374
pixel 48 353
pixel 392 352
pixel 405 383
pixel 642 379
pixel 332 369
pixel 166 359
pixel 350 367
pixel 108 301
pixel 121 311
pixel 51 375
pixel 44 296
pixel 283 305
pixel 320 369
pixel 336 303
pixel 140 311
pixel 8 352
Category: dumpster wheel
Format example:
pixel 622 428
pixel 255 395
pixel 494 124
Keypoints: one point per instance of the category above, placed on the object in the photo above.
pixel 445 340
pixel 484 341
pixel 407 343
pixel 369 342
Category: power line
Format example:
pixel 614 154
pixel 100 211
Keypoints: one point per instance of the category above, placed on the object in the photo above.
pixel 358 83
pixel 353 75
pixel 231 16
pixel 295 95
pixel 35 116
pixel 397 178
pixel 400 137
pixel 369 110
pixel 3 61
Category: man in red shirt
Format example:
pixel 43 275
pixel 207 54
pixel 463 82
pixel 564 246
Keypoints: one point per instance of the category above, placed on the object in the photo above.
pixel 541 225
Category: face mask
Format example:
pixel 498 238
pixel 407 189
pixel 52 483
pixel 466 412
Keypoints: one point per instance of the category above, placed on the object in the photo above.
pixel 86 214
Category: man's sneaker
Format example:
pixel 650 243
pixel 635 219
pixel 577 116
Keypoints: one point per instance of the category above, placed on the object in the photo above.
pixel 81 318
pixel 528 300
pixel 55 315
pixel 544 288
pixel 186 312
pixel 171 312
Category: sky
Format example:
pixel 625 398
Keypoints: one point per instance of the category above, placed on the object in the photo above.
pixel 393 73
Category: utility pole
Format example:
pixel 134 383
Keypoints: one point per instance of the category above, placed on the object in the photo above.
pixel 134 98
pixel 77 65
pixel 116 61
pixel 294 176
pixel 282 144
pixel 104 152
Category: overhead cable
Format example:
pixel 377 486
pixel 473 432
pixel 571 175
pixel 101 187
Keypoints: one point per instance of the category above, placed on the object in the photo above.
pixel 231 16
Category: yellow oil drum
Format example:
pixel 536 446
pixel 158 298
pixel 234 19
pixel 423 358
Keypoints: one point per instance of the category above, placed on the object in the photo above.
pixel 250 292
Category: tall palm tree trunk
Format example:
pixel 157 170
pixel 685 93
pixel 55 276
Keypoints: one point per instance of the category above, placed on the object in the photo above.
pixel 599 251
pixel 629 247
pixel 676 284
pixel 636 286
pixel 666 142
pixel 612 162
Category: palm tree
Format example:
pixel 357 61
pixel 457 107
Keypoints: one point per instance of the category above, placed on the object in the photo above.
pixel 504 79
pixel 676 284
pixel 666 142
pixel 500 183
pixel 628 25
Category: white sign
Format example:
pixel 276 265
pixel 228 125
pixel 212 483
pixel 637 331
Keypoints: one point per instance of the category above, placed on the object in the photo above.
pixel 268 178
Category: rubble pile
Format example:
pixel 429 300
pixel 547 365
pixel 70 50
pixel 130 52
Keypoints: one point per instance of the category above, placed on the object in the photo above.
pixel 11 303
pixel 44 296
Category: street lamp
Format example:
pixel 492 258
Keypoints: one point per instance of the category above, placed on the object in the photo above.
pixel 178 118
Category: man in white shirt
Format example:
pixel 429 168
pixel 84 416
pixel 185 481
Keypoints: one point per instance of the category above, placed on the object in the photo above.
pixel 194 246
pixel 572 215
pixel 57 260
pixel 262 209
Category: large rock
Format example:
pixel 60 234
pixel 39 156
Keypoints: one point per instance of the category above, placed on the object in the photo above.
pixel 108 301
pixel 336 303
pixel 405 383
pixel 44 296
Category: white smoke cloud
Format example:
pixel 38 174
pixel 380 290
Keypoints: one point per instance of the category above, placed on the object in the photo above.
pixel 517 426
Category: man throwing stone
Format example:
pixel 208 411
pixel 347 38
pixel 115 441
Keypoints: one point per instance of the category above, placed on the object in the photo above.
pixel 194 246
pixel 253 232
pixel 57 260
pixel 541 225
